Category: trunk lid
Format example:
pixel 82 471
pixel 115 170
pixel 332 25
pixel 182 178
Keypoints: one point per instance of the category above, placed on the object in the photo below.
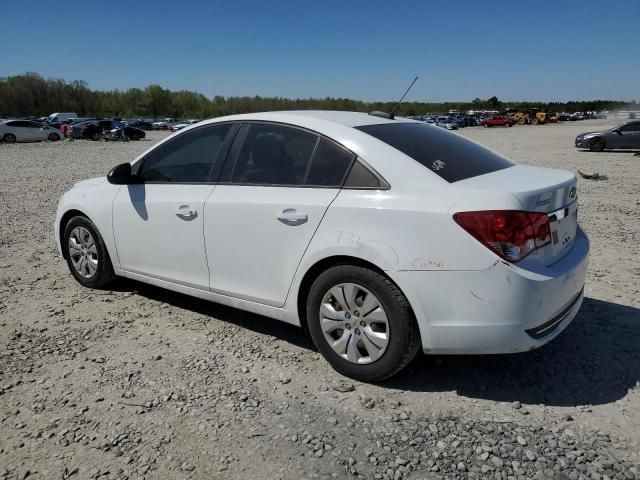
pixel 539 190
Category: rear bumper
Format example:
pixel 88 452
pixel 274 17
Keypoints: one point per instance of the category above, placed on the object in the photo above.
pixel 502 309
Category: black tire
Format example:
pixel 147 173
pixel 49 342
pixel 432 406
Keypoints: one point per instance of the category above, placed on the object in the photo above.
pixel 95 136
pixel 404 337
pixel 9 138
pixel 104 272
pixel 597 144
pixel 134 136
pixel 53 137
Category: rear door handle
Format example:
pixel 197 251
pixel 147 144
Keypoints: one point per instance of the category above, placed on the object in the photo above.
pixel 290 216
pixel 186 211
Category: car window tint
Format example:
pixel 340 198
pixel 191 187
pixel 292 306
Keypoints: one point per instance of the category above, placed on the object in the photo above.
pixel 329 165
pixel 187 158
pixel 632 127
pixel 446 154
pixel 274 155
pixel 361 177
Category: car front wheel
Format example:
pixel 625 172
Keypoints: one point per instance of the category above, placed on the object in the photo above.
pixel 596 145
pixel 361 323
pixel 86 253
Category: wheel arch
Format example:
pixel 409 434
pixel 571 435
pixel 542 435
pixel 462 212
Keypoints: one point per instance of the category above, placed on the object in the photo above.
pixel 64 220
pixel 320 266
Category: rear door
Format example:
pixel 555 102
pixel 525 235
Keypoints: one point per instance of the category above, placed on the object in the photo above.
pixel 22 131
pixel 275 188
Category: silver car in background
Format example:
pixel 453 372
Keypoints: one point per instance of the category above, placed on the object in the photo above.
pixel 12 131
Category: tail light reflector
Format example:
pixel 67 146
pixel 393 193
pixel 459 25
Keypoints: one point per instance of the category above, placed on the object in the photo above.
pixel 510 233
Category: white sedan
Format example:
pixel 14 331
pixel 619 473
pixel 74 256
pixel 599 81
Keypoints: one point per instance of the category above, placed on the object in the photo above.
pixel 12 131
pixel 382 237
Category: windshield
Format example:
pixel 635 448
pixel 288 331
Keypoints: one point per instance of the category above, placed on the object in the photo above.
pixel 448 155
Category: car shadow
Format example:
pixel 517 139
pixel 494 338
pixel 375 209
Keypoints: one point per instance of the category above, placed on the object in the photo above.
pixel 596 360
pixel 250 321
pixel 618 150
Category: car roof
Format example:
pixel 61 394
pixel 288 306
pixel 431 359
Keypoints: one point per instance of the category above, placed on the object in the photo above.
pixel 349 119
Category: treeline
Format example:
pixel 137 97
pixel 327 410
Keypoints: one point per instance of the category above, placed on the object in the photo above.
pixel 31 94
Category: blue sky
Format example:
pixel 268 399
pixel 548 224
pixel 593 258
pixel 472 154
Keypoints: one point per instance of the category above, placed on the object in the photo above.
pixel 369 50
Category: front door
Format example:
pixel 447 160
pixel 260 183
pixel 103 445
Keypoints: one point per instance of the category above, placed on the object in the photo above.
pixel 158 222
pixel 262 216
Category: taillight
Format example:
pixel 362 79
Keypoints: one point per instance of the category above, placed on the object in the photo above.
pixel 511 234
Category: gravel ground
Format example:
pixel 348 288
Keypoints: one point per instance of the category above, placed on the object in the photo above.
pixel 138 382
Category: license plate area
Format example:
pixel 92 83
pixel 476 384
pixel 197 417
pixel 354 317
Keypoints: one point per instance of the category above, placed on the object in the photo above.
pixel 563 224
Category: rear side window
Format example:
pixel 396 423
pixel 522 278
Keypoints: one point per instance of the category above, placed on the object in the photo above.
pixel 329 165
pixel 448 155
pixel 274 155
pixel 188 158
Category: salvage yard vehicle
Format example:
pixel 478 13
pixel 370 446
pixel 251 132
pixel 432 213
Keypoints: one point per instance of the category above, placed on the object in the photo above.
pixel 497 121
pixel 12 131
pixel 94 130
pixel 623 136
pixel 381 236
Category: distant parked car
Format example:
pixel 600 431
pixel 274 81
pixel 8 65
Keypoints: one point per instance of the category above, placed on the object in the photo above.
pixel 66 126
pixel 12 131
pixel 626 135
pixel 444 122
pixel 141 124
pixel 563 117
pixel 497 121
pixel 94 129
pixel 174 127
pixel 61 116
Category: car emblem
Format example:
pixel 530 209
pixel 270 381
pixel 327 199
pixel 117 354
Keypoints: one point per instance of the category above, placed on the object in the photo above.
pixel 572 192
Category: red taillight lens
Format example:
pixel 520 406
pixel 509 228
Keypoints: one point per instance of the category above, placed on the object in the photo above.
pixel 511 234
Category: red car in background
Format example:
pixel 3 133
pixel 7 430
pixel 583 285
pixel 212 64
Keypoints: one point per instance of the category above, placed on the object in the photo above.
pixel 497 121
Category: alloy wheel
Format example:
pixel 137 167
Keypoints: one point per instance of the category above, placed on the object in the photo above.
pixel 354 323
pixel 83 252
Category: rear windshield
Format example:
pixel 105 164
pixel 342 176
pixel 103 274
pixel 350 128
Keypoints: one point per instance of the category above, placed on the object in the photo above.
pixel 448 155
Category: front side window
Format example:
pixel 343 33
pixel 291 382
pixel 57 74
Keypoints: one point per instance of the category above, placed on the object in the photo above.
pixel 274 155
pixel 188 158
pixel 448 155
pixel 631 127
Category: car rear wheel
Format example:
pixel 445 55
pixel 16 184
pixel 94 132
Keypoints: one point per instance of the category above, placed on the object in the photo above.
pixel 86 253
pixel 95 136
pixel 361 323
pixel 53 137
pixel 9 138
pixel 596 145
pixel 134 137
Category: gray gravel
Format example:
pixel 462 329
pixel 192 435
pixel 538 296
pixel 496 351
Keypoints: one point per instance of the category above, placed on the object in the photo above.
pixel 141 383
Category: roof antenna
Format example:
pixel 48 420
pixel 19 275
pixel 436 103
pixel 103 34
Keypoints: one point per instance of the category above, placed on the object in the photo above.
pixel 391 115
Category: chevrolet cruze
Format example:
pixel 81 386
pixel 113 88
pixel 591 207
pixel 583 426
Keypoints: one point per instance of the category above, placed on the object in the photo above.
pixel 380 236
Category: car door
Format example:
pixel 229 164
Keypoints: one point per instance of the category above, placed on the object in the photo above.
pixel 22 131
pixel 275 188
pixel 630 135
pixel 38 131
pixel 158 221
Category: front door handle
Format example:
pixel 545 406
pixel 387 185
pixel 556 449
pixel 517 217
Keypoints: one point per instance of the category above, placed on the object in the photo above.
pixel 290 216
pixel 185 211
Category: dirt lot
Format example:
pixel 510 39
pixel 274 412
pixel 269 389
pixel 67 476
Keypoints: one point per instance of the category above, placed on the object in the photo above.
pixel 139 382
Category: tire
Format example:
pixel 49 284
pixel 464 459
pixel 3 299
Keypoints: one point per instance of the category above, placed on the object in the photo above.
pixel 597 145
pixel 96 253
pixel 401 329
pixel 53 137
pixel 135 137
pixel 95 136
pixel 9 138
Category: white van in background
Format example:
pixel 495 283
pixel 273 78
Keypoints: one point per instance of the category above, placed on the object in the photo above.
pixel 61 117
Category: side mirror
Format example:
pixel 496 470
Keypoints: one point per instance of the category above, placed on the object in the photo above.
pixel 120 174
pixel 619 131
